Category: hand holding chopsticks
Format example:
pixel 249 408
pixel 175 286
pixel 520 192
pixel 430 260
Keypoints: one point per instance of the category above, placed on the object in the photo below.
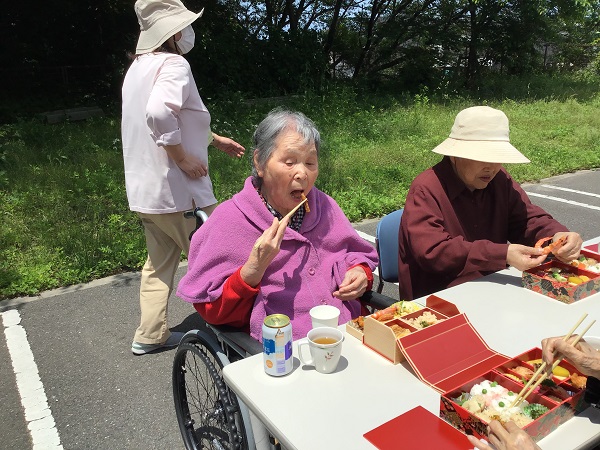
pixel 534 382
pixel 266 248
pixel 285 219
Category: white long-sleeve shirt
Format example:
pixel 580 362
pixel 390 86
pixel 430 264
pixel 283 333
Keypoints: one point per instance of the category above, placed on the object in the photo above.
pixel 162 106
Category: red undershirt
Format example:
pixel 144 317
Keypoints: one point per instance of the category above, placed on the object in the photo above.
pixel 234 306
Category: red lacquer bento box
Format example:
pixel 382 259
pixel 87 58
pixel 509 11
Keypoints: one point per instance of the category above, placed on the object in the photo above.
pixel 453 359
pixel 564 282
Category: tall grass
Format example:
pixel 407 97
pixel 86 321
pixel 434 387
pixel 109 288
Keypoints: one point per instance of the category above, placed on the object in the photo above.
pixel 64 212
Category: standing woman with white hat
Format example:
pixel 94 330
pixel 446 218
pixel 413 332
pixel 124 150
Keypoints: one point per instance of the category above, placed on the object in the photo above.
pixel 166 132
pixel 466 217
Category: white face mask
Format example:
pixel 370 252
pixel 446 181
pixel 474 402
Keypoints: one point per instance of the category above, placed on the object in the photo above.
pixel 186 42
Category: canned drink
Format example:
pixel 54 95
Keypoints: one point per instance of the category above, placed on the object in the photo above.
pixel 277 345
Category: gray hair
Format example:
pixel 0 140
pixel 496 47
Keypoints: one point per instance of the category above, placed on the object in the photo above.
pixel 272 126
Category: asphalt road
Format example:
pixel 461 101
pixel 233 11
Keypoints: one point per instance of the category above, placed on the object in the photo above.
pixel 71 347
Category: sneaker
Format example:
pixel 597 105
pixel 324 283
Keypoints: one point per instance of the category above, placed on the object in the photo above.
pixel 142 349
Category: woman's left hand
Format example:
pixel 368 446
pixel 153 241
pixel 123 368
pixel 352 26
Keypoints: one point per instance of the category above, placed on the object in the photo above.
pixel 353 286
pixel 228 146
pixel 570 249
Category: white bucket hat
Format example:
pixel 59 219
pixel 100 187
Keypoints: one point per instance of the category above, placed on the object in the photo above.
pixel 480 133
pixel 159 20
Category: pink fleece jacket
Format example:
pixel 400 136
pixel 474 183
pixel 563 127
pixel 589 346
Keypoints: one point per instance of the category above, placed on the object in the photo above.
pixel 307 270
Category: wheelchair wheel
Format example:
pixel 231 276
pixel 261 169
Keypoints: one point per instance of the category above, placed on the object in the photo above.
pixel 208 413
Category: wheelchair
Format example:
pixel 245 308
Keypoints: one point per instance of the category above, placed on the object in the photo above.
pixel 209 414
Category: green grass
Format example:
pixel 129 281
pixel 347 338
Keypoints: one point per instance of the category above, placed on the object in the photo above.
pixel 65 218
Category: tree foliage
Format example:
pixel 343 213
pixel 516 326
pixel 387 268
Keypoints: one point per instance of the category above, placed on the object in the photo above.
pixel 276 47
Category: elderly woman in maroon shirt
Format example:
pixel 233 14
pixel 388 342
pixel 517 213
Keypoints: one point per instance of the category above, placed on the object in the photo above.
pixel 466 217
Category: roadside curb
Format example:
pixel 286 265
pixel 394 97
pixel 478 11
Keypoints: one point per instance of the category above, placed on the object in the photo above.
pixel 13 303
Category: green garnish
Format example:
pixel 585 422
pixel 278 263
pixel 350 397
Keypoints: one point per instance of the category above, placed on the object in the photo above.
pixel 484 391
pixel 549 383
pixel 558 277
pixel 534 410
pixel 494 384
pixel 462 398
pixel 501 404
pixel 511 393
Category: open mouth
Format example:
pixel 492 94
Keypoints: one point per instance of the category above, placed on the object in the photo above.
pixel 297 194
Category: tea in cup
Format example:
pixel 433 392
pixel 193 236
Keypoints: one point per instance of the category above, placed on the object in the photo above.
pixel 325 345
pixel 324 316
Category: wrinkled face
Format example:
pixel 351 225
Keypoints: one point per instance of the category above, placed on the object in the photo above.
pixel 475 174
pixel 290 171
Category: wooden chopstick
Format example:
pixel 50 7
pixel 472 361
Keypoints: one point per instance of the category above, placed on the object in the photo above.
pixel 556 363
pixel 291 213
pixel 524 393
pixel 287 216
pixel 543 365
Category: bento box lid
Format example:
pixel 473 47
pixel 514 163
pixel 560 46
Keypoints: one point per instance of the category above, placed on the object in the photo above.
pixel 594 248
pixel 443 306
pixel 415 429
pixel 449 354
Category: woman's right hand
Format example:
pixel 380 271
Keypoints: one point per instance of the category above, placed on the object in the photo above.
pixel 190 164
pixel 263 252
pixel 522 257
pixel 193 167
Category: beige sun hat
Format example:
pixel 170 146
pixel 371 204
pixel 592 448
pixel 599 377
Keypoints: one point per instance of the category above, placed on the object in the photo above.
pixel 480 133
pixel 159 20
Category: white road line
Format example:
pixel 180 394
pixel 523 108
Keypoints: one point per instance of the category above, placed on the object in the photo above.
pixel 38 416
pixel 366 237
pixel 575 191
pixel 562 200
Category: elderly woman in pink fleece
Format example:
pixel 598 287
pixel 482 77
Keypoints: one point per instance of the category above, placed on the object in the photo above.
pixel 249 261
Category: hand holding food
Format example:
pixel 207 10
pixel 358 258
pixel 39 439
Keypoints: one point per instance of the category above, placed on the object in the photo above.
pixel 264 250
pixel 570 246
pixel 583 356
pixel 353 285
pixel 505 437
pixel 522 257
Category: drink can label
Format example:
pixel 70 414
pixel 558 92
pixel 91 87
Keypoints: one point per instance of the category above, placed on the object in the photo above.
pixel 277 345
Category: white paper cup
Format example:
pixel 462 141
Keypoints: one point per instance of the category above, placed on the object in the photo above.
pixel 324 316
pixel 325 346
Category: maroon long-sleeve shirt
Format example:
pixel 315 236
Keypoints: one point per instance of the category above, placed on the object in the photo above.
pixel 449 235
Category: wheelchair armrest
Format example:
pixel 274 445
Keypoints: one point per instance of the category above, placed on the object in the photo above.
pixel 240 338
pixel 376 300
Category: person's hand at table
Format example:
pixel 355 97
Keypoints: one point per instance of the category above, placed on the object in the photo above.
pixel 353 285
pixel 583 356
pixel 570 248
pixel 522 257
pixel 263 252
pixel 507 437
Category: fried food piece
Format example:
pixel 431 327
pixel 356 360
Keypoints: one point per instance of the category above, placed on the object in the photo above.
pixel 306 207
pixel 523 372
pixel 579 381
pixel 358 323
pixel 399 331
